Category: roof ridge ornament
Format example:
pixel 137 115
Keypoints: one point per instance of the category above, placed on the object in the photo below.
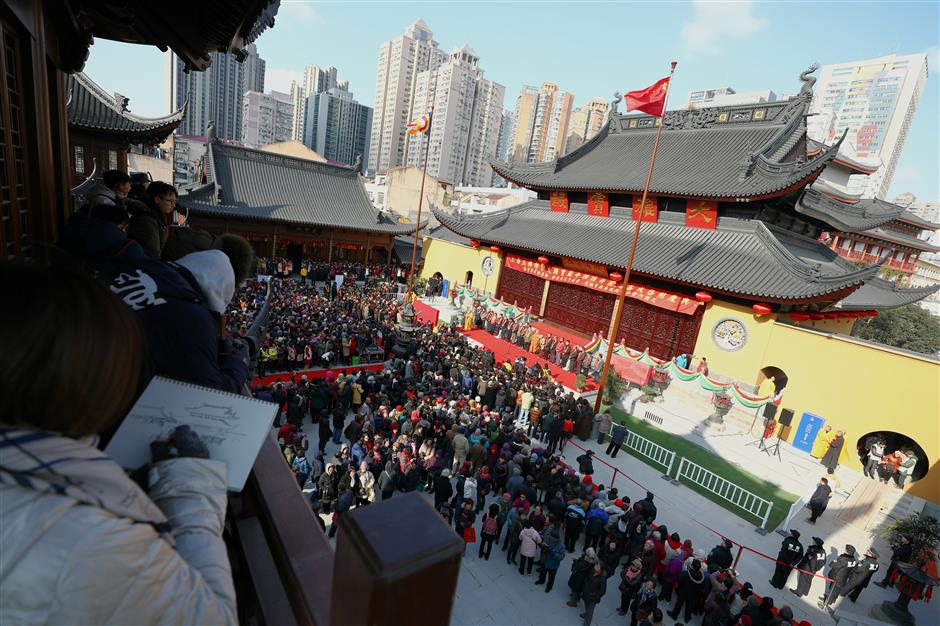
pixel 808 81
pixel 612 113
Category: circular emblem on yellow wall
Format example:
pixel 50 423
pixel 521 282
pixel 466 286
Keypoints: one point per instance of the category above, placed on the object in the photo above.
pixel 729 334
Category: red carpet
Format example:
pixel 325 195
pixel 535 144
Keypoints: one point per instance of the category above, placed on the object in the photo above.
pixel 506 351
pixel 310 374
pixel 576 338
pixel 426 313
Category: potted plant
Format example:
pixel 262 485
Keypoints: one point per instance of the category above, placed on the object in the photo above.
pixel 912 579
pixel 722 403
pixel 580 381
pixel 660 377
pixel 615 388
pixel 650 393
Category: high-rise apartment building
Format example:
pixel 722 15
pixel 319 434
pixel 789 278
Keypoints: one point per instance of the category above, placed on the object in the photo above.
pixel 400 62
pixel 266 118
pixel 502 145
pixel 726 96
pixel 338 127
pixel 316 80
pixel 540 128
pixel 586 121
pixel 215 95
pixel 467 115
pixel 875 101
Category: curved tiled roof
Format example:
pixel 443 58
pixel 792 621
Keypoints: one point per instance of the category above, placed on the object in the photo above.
pixel 891 236
pixel 881 294
pixel 718 152
pixel 261 185
pixel 91 107
pixel 843 216
pixel 741 256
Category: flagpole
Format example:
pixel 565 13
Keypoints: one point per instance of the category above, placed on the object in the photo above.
pixel 424 175
pixel 618 308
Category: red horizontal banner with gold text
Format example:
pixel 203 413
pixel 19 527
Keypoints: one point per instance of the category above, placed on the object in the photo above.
pixel 655 297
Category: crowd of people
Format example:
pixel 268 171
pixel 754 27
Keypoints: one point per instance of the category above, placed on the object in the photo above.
pixel 484 441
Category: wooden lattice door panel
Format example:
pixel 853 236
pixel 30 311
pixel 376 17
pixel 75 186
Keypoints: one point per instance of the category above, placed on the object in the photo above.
pixel 576 307
pixel 523 289
pixel 16 220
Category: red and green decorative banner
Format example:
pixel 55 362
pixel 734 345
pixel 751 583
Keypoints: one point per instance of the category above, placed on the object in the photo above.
pixel 650 210
pixel 558 200
pixel 598 204
pixel 743 398
pixel 491 302
pixel 701 213
pixel 655 297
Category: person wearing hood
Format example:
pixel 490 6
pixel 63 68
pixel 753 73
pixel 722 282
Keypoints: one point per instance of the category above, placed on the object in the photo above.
pixel 178 305
pixel 581 568
pixel 812 561
pixel 594 524
pixel 553 550
pixel 688 591
pixel 81 541
pixel 631 581
pixel 574 524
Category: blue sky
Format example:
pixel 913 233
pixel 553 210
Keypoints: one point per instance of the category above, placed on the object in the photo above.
pixel 591 49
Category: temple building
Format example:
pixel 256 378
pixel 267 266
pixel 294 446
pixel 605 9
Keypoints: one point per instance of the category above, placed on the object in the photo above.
pixel 738 257
pixel 102 129
pixel 290 206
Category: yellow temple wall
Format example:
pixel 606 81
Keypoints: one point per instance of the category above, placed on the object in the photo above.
pixel 857 387
pixel 453 261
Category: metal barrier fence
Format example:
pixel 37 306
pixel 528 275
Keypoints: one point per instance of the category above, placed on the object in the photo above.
pixel 652 451
pixel 726 490
pixel 795 509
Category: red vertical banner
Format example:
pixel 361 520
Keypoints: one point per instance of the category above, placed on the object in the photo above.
pixel 558 200
pixel 649 212
pixel 598 204
pixel 701 213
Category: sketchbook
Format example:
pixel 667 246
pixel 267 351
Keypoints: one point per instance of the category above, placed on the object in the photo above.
pixel 232 426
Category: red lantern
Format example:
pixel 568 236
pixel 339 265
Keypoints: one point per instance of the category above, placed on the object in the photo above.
pixel 494 248
pixel 816 316
pixel 873 314
pixel 474 243
pixel 762 309
pixel 703 296
pixel 799 317
pixel 831 315
pixel 543 260
pixel 615 276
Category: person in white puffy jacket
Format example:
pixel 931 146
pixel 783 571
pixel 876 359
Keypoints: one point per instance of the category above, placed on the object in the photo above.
pixel 80 542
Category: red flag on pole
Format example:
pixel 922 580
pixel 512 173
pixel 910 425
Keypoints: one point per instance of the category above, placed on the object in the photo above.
pixel 650 100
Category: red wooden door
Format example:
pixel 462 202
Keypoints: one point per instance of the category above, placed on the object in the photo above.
pixel 523 289
pixel 665 333
pixel 582 309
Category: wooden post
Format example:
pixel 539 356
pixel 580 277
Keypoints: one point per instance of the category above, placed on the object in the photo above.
pixel 544 297
pixel 274 242
pixel 329 257
pixel 376 570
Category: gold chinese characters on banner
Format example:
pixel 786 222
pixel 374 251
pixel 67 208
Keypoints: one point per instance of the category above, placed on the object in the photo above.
pixel 654 297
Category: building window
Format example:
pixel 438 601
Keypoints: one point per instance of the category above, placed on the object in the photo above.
pixel 79 160
pixel 874 250
pixel 898 256
pixel 845 244
pixel 112 160
pixel 859 246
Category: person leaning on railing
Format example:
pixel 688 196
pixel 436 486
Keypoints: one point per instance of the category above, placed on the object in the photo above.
pixel 80 542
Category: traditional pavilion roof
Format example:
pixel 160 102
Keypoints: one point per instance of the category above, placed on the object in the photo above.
pixel 91 108
pixel 846 217
pixel 252 184
pixel 915 220
pixel 892 236
pixel 745 257
pixel 882 294
pixel 192 32
pixel 732 152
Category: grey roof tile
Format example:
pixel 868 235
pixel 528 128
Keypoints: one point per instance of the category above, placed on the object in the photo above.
pixel 272 187
pixel 846 217
pixel 881 294
pixel 91 107
pixel 699 154
pixel 740 256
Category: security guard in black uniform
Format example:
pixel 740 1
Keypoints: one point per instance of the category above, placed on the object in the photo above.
pixel 791 551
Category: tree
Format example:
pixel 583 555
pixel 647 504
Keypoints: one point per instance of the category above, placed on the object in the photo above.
pixel 922 531
pixel 909 327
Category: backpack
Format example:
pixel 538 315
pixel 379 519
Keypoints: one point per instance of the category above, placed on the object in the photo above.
pixel 490 525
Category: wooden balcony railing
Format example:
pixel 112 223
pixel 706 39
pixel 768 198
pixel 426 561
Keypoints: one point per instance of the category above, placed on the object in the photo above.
pixel 286 572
